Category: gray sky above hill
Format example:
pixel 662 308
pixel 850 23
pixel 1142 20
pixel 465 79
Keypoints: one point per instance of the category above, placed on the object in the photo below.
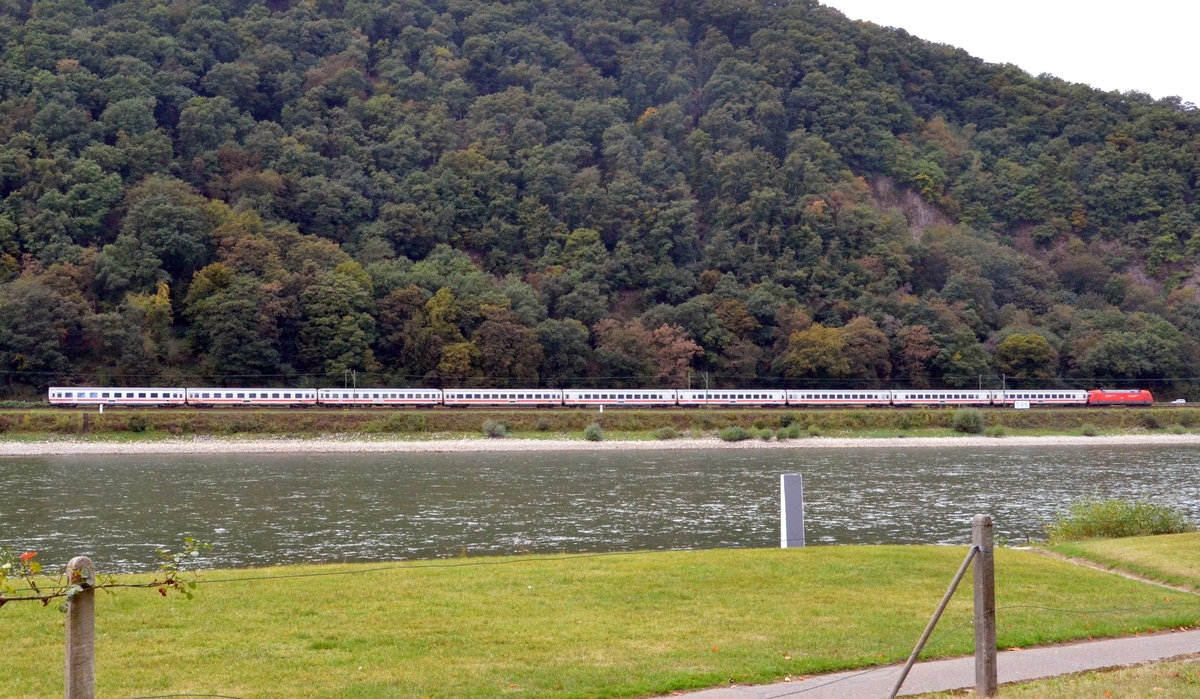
pixel 1146 46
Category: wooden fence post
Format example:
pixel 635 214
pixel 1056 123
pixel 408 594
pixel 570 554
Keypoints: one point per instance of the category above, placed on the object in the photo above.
pixel 985 607
pixel 81 632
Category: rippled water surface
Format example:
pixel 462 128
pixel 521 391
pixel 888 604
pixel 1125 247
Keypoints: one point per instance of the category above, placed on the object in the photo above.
pixel 274 509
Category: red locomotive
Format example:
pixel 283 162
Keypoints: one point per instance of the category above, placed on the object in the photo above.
pixel 1127 397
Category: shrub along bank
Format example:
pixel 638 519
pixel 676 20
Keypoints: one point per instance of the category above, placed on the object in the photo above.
pixel 376 421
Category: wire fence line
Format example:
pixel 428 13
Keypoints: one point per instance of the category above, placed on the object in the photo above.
pixel 964 381
pixel 405 565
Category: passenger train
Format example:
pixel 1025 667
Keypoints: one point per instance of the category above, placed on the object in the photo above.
pixel 584 397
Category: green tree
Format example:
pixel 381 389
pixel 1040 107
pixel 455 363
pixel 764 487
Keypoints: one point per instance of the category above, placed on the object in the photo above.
pixel 963 360
pixel 866 348
pixel 234 330
pixel 338 328
pixel 565 350
pixel 1026 356
pixel 912 350
pixel 816 352
pixel 40 331
pixel 169 222
pixel 508 350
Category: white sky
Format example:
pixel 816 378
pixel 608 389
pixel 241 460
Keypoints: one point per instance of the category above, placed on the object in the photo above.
pixel 1144 45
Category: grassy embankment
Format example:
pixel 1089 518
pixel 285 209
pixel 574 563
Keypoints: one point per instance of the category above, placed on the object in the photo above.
pixel 1171 558
pixel 545 424
pixel 612 626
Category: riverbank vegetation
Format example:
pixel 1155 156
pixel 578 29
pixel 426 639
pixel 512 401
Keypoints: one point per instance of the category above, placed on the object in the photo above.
pixel 615 424
pixel 568 626
pixel 1106 518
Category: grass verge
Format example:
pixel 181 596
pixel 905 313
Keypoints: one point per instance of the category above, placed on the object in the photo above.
pixel 1170 680
pixel 561 626
pixel 1169 558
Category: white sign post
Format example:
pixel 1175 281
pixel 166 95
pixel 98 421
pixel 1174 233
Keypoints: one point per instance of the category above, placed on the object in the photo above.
pixel 791 510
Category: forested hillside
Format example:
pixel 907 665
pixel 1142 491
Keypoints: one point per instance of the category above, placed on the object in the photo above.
pixel 575 192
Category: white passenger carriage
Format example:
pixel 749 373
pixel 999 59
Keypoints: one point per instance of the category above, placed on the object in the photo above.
pixel 280 397
pixel 1050 397
pixel 499 397
pixel 846 397
pixel 379 396
pixel 644 397
pixel 923 396
pixel 720 396
pixel 85 395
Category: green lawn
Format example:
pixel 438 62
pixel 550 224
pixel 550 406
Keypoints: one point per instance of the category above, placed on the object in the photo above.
pixel 1170 558
pixel 609 626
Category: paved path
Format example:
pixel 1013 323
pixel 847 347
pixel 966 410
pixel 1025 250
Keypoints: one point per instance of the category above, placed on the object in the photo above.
pixel 957 673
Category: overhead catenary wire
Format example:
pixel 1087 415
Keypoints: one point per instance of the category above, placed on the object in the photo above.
pixel 322 377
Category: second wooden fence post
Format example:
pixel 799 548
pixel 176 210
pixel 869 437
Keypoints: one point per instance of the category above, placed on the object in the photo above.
pixel 985 607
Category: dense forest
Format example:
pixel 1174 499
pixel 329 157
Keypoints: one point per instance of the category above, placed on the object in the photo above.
pixel 575 192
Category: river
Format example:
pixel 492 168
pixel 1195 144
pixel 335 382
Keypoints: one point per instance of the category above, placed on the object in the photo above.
pixel 276 509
